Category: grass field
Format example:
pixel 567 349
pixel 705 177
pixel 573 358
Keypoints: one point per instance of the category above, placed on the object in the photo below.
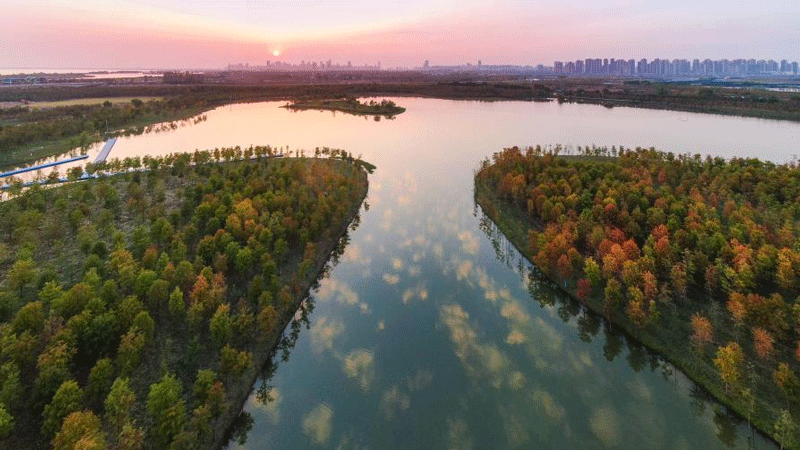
pixel 89 101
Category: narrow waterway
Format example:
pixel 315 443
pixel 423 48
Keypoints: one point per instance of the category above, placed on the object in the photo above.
pixel 429 332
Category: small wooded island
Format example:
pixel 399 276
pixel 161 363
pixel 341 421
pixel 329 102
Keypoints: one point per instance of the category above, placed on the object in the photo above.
pixel 351 105
pixel 697 258
pixel 136 310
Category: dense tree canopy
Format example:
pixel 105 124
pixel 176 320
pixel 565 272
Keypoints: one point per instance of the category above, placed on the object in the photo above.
pixel 696 254
pixel 119 294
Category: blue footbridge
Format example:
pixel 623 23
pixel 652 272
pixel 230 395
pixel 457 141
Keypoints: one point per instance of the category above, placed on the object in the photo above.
pixel 101 157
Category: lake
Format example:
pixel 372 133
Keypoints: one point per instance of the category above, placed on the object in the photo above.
pixel 430 332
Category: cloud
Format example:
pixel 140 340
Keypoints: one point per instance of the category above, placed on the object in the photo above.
pixel 270 408
pixel 394 401
pixel 457 436
pixel 419 291
pixel 544 402
pixel 323 332
pixel 469 242
pixel 604 423
pixel 387 219
pixel 463 270
pixel 550 338
pixel 516 380
pixel 355 254
pixel 421 380
pixel 391 278
pixel 481 361
pixel 515 337
pixel 397 264
pixel 360 365
pixel 339 291
pixel 513 311
pixel 317 424
pixel 580 362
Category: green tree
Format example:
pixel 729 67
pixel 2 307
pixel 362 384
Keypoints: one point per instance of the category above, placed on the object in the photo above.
pixel 130 350
pixel 6 422
pixel 119 402
pixel 99 382
pixel 221 325
pixel 729 364
pixel 22 273
pixel 167 408
pixel 202 384
pixel 53 366
pixel 130 438
pixel 177 306
pixel 30 317
pixel 612 296
pixel 80 430
pixel 11 384
pixel 68 399
pixel 785 430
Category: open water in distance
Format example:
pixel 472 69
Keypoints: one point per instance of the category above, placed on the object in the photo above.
pixel 429 333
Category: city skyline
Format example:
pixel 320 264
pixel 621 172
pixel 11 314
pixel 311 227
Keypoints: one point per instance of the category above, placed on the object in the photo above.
pixel 198 34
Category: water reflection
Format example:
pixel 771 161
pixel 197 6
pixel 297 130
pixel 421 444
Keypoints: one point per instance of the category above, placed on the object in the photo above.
pixel 265 397
pixel 432 331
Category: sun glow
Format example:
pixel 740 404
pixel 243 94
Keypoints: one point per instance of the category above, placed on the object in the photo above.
pixel 276 53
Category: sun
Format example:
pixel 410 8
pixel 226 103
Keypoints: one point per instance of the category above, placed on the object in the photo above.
pixel 276 53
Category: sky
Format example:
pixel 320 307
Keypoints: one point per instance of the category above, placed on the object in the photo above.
pixel 186 34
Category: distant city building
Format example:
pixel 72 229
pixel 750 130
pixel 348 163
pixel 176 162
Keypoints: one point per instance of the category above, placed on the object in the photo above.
pixel 675 68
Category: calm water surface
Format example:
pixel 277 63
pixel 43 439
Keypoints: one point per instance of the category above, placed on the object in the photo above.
pixel 430 333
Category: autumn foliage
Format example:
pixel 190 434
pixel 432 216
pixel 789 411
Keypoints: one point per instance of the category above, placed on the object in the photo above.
pixel 640 234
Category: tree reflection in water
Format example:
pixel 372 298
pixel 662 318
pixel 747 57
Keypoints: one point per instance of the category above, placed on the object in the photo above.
pixel 241 427
pixel 639 358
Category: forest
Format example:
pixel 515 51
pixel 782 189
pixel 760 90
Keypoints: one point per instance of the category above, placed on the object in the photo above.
pixel 138 308
pixel 711 98
pixel 698 258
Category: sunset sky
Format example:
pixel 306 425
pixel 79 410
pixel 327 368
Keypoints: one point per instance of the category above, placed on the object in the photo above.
pixel 210 34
